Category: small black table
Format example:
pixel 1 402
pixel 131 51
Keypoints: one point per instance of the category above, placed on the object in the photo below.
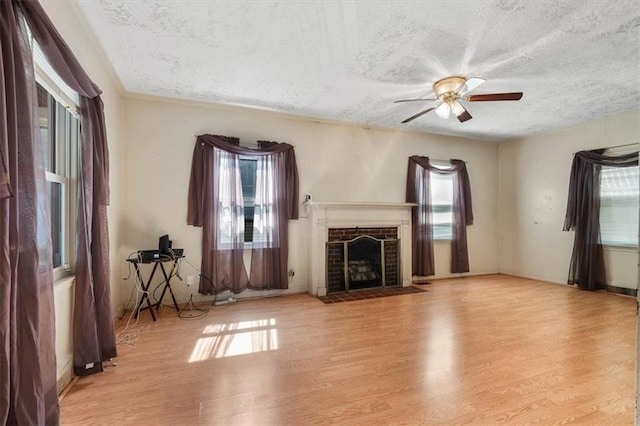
pixel 145 286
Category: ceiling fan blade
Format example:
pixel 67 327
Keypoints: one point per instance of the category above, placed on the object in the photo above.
pixel 414 100
pixel 421 113
pixel 513 96
pixel 464 117
pixel 472 83
pixel 461 112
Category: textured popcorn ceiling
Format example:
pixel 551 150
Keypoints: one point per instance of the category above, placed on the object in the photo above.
pixel 349 60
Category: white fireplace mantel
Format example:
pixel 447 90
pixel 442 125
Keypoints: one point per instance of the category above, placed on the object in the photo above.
pixel 325 215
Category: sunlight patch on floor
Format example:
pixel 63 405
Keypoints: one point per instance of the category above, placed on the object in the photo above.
pixel 233 339
pixel 440 365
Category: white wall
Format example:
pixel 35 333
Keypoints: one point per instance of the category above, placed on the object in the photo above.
pixel 335 163
pixel 71 25
pixel 533 187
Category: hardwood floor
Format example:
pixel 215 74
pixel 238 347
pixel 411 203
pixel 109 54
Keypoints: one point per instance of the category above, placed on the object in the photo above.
pixel 482 350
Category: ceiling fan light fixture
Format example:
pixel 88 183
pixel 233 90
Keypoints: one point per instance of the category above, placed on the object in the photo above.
pixel 456 108
pixel 443 110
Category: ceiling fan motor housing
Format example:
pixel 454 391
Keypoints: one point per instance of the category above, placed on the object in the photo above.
pixel 446 88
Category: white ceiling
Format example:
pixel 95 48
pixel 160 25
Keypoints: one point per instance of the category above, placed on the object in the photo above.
pixel 349 60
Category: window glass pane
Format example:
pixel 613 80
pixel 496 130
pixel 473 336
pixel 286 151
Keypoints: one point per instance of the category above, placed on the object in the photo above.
pixel 248 177
pixel 441 205
pixel 64 121
pixel 74 137
pixel 619 194
pixel 47 127
pixel 57 223
pixel 248 223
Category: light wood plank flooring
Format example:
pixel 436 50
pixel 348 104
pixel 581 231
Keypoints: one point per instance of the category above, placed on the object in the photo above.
pixel 479 350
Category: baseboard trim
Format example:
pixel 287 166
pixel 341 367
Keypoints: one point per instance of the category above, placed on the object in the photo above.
pixel 422 279
pixel 67 388
pixel 63 382
pixel 609 288
pixel 622 290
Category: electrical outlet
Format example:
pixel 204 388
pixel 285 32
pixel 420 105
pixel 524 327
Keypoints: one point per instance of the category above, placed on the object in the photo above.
pixel 292 272
pixel 189 280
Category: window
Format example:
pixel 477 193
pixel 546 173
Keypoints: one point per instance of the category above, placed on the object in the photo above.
pixel 59 127
pixel 619 193
pixel 246 198
pixel 442 206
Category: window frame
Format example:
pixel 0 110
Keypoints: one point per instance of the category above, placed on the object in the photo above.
pixel 66 168
pixel 609 243
pixel 249 202
pixel 442 165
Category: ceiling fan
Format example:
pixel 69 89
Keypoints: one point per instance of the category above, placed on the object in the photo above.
pixel 451 90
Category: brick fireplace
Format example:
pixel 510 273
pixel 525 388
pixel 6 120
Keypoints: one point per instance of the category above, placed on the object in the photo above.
pixel 362 258
pixel 358 245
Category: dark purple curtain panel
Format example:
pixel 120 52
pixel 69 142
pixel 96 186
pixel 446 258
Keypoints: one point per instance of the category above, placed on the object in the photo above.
pixel 462 217
pixel 93 331
pixel 586 269
pixel 212 190
pixel 418 191
pixel 27 358
pixel 94 337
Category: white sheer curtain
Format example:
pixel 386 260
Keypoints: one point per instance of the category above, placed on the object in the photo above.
pixel 265 210
pixel 230 201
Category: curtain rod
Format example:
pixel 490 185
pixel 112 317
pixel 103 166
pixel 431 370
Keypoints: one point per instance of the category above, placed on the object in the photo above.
pixel 622 146
pixel 255 145
pixel 616 146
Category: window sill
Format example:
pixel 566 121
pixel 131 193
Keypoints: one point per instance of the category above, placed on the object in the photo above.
pixel 442 241
pixel 622 248
pixel 249 246
pixel 63 282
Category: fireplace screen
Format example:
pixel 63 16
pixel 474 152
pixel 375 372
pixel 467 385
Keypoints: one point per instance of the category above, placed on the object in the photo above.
pixel 362 262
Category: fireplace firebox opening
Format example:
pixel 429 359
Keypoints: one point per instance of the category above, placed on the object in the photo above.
pixel 362 262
